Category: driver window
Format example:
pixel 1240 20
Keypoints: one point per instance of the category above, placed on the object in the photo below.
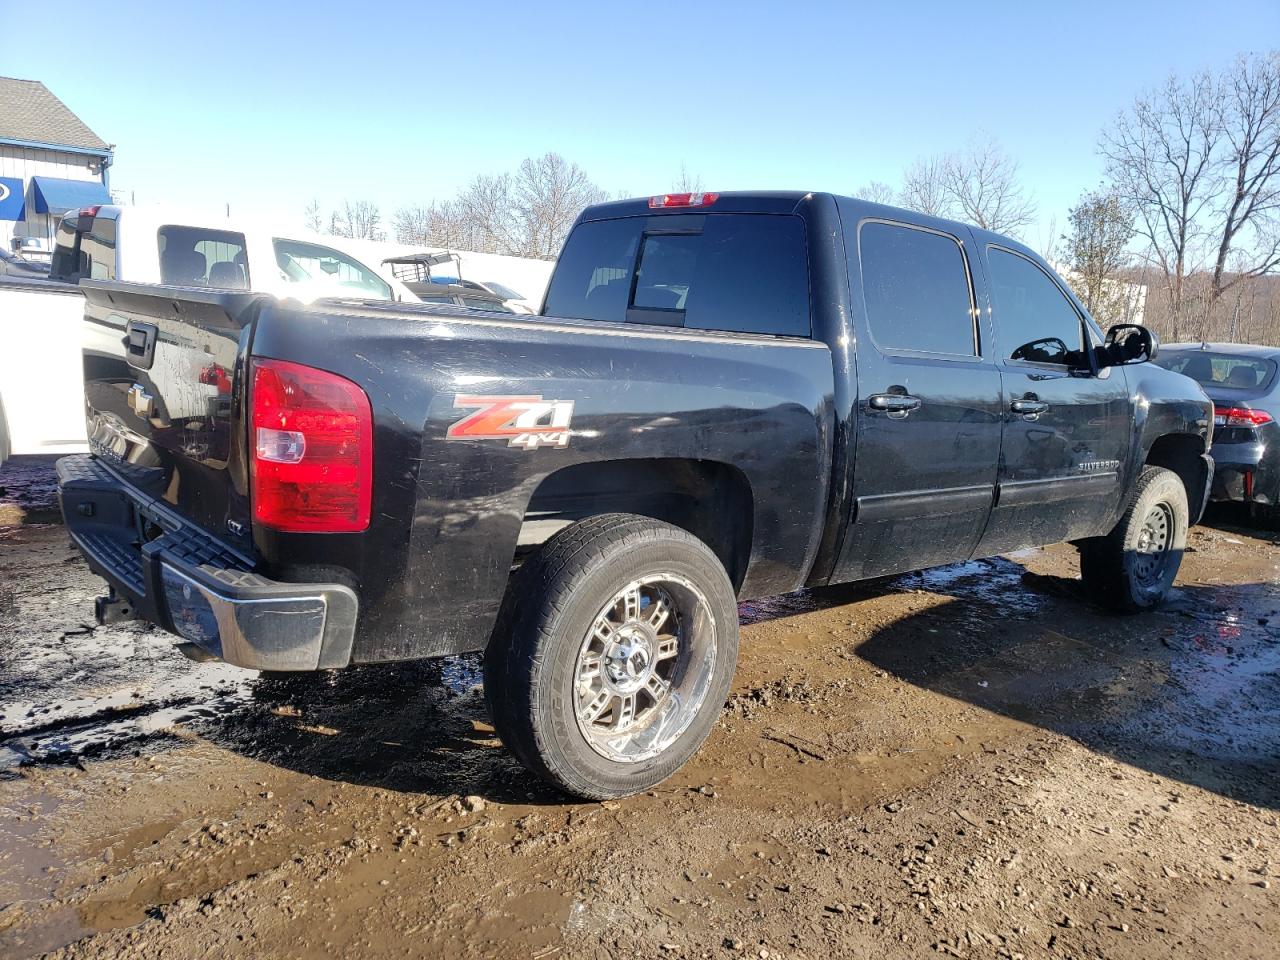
pixel 1034 321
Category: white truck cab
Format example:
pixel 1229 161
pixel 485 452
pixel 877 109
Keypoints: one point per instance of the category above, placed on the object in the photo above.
pixel 42 366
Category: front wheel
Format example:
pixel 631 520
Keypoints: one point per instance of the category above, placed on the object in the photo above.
pixel 613 656
pixel 1132 568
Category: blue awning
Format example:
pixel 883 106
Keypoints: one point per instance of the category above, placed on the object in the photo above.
pixel 54 195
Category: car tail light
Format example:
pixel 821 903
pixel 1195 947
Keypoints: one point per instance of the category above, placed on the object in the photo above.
pixel 683 200
pixel 89 211
pixel 312 459
pixel 1240 417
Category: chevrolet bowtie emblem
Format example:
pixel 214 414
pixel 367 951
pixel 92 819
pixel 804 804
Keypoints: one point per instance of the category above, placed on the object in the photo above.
pixel 141 402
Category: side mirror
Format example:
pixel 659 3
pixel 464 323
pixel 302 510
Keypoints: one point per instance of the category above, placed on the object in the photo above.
pixel 1128 343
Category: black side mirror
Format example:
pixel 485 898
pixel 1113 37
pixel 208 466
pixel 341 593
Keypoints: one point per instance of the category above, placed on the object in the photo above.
pixel 1128 343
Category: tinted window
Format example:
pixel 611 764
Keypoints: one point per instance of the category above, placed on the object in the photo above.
pixel 1222 369
pixel 739 272
pixel 1034 319
pixel 916 289
pixel 85 247
pixel 196 256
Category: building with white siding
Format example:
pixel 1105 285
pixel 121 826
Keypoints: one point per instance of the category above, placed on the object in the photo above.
pixel 50 162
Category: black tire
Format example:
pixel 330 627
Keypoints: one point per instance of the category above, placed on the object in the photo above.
pixel 1120 568
pixel 532 665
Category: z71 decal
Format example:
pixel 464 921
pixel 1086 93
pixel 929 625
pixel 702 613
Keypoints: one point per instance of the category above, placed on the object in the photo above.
pixel 528 422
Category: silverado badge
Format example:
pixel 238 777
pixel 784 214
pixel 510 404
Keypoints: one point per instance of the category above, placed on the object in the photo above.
pixel 528 422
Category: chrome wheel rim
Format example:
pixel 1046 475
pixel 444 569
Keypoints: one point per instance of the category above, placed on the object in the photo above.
pixel 644 669
pixel 1151 554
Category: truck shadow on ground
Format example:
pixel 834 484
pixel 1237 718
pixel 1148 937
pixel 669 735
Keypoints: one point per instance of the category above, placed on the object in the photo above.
pixel 1191 692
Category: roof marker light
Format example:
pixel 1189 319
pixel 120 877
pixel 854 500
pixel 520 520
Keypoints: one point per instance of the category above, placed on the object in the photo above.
pixel 683 200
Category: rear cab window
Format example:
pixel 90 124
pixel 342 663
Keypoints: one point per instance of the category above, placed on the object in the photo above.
pixel 202 257
pixel 736 272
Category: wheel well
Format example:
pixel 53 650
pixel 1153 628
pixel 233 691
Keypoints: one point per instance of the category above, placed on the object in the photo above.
pixel 1181 453
pixel 710 499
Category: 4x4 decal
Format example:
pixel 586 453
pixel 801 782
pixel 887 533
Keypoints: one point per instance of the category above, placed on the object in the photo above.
pixel 528 422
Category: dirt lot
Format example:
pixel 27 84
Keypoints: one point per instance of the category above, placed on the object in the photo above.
pixel 974 761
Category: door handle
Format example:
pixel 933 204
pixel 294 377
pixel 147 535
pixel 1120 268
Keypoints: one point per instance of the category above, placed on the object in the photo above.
pixel 1028 408
pixel 897 405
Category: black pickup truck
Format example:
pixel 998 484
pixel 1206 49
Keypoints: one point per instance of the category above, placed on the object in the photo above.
pixel 727 396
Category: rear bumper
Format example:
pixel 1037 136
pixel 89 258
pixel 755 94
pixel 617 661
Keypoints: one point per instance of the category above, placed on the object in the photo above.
pixel 1247 472
pixel 183 580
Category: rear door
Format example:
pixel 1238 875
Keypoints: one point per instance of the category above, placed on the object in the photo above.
pixel 928 414
pixel 1066 425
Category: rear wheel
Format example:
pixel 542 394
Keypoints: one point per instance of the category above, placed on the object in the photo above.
pixel 1132 568
pixel 613 656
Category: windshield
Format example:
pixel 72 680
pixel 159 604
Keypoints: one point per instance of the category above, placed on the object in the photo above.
pixel 1221 369
pixel 326 272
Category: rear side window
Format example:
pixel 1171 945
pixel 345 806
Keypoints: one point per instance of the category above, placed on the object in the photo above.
pixel 328 272
pixel 747 273
pixel 915 284
pixel 85 248
pixel 199 257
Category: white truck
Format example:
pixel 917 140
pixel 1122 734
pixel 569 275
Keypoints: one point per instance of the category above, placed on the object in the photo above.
pixel 42 321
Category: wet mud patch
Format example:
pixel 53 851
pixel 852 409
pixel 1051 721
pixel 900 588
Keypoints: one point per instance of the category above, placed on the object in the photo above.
pixel 972 761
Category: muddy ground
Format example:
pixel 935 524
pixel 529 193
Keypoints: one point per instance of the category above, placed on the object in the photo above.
pixel 974 761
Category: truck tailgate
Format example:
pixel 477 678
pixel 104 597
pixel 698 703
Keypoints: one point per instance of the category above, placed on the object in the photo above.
pixel 162 366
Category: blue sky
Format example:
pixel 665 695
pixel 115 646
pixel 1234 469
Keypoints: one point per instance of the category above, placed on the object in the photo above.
pixel 265 106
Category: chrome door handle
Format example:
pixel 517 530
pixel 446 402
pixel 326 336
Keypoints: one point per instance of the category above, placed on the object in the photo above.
pixel 1029 409
pixel 897 405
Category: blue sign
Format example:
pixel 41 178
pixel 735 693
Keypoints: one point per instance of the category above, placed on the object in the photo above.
pixel 13 196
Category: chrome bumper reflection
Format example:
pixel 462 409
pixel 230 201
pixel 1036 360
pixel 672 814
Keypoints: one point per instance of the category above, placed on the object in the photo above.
pixel 260 624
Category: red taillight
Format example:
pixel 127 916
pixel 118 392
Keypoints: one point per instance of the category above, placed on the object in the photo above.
pixel 89 211
pixel 312 449
pixel 683 200
pixel 1240 417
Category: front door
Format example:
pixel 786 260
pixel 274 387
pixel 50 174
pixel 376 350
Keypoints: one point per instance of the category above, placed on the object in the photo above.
pixel 928 417
pixel 1067 425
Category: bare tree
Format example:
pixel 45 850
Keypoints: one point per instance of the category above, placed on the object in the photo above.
pixel 549 193
pixel 982 187
pixel 687 182
pixel 877 191
pixel 438 225
pixel 1097 253
pixel 488 204
pixel 313 221
pixel 525 214
pixel 1160 155
pixel 359 219
pixel 1249 115
pixel 924 187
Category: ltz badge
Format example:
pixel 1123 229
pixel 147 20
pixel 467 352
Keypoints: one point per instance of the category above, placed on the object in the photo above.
pixel 528 422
